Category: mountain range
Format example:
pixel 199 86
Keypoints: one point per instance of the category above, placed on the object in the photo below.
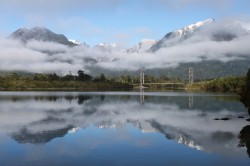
pixel 40 34
pixel 145 45
pixel 179 35
pixel 194 32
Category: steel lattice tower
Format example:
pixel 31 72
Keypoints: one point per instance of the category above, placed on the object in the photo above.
pixel 141 77
pixel 191 75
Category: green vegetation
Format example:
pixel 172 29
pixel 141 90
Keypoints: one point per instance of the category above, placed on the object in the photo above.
pixel 245 94
pixel 151 82
pixel 52 81
pixel 236 84
pixel 83 81
pixel 202 70
pixel 148 79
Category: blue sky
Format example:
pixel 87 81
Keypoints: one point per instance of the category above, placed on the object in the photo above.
pixel 123 21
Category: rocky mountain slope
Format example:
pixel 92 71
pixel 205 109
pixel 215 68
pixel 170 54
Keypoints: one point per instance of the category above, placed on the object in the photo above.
pixel 40 34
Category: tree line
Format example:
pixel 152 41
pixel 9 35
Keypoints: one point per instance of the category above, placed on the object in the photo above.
pixel 236 84
pixel 81 76
pixel 245 94
pixel 80 81
pixel 83 80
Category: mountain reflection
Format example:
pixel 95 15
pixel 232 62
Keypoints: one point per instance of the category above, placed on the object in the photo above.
pixel 188 119
pixel 24 136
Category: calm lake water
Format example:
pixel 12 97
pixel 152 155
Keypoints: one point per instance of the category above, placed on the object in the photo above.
pixel 122 128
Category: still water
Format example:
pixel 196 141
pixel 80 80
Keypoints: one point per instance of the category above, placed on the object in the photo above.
pixel 123 128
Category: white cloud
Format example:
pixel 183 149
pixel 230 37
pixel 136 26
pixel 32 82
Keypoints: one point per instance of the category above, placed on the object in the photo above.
pixel 16 56
pixel 195 49
pixel 115 111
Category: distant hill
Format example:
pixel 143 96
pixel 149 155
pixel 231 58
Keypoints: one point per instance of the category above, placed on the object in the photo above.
pixel 40 34
pixel 202 70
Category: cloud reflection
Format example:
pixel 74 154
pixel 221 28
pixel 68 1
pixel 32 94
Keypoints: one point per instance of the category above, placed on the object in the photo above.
pixel 54 115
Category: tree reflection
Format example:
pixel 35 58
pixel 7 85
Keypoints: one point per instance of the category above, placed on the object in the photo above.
pixel 47 98
pixel 69 98
pixel 82 98
pixel 102 97
pixel 244 137
pixel 178 116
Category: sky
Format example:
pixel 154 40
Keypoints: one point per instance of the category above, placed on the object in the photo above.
pixel 114 21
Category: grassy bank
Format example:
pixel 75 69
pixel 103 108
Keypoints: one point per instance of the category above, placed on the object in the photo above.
pixel 61 85
pixel 230 84
pixel 38 81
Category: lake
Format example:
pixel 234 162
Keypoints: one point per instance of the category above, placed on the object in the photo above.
pixel 123 128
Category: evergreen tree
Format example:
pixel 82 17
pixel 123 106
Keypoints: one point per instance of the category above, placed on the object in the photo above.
pixel 248 80
pixel 53 77
pixel 80 76
pixel 102 78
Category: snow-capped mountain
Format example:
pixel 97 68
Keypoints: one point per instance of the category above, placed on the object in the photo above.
pixel 107 47
pixel 78 43
pixel 40 34
pixel 177 36
pixel 142 46
pixel 75 41
pixel 192 27
pixel 107 52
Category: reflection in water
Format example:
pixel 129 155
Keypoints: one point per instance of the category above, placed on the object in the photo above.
pixel 82 99
pixel 24 136
pixel 245 138
pixel 38 118
pixel 191 100
pixel 141 96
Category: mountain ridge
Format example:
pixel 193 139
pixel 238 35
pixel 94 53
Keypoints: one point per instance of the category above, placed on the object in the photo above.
pixel 40 34
pixel 143 46
pixel 107 52
pixel 180 34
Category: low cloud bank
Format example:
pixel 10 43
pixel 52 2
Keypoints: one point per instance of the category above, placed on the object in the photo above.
pixel 37 56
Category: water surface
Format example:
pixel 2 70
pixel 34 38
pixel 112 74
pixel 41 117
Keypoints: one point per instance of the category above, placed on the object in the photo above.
pixel 122 128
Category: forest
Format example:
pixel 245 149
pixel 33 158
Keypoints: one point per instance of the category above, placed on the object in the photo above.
pixel 83 81
pixel 228 84
pixel 52 81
